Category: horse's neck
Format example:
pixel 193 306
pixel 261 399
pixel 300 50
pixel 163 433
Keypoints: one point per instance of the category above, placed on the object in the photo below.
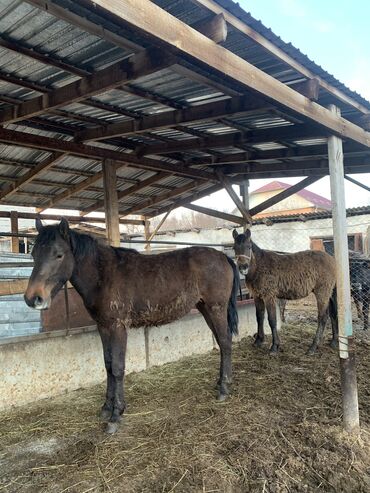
pixel 257 253
pixel 86 276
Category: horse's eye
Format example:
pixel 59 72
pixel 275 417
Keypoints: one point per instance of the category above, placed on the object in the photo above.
pixel 60 255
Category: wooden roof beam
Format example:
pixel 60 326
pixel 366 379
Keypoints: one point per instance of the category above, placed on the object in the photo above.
pixel 72 219
pixel 214 27
pixel 121 72
pixel 126 193
pixel 99 153
pixel 234 196
pixel 31 174
pixel 274 50
pixel 207 111
pixel 160 26
pixel 220 215
pixel 309 88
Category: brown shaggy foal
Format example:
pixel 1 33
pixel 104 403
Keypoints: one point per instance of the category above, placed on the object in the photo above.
pixel 271 276
pixel 122 288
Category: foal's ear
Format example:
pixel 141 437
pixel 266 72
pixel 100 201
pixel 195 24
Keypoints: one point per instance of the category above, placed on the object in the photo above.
pixel 247 234
pixel 64 228
pixel 38 224
pixel 235 234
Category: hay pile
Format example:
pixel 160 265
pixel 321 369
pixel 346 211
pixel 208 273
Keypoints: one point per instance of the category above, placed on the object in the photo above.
pixel 280 432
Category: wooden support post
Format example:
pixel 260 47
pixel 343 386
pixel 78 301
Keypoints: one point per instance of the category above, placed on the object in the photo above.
pixel 14 231
pixel 147 233
pixel 346 343
pixel 158 227
pixel 239 204
pixel 244 193
pixel 111 202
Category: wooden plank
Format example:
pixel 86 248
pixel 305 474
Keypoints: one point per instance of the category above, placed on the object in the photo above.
pixel 214 27
pixel 14 231
pixel 283 195
pixel 211 212
pixel 234 196
pixel 98 153
pixel 207 111
pixel 111 202
pixel 31 174
pixel 126 193
pixel 279 53
pixel 119 73
pixel 15 286
pixel 165 29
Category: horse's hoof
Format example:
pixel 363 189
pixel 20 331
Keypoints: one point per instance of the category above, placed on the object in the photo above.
pixel 258 342
pixel 311 351
pixel 333 344
pixel 222 397
pixel 112 428
pixel 105 414
pixel 274 353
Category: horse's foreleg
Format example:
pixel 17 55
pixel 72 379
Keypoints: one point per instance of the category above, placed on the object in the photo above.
pixel 118 345
pixel 271 313
pixel 260 316
pixel 217 321
pixel 322 317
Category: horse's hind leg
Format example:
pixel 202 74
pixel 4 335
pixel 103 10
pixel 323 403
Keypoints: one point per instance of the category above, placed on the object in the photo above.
pixel 107 408
pixel 216 318
pixel 322 317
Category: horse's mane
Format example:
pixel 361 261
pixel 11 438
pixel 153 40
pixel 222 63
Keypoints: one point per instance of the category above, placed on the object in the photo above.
pixel 83 245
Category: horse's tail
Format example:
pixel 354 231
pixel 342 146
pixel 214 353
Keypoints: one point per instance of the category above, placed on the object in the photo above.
pixel 232 312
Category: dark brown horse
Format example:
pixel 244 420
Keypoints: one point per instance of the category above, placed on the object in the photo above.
pixel 271 276
pixel 122 288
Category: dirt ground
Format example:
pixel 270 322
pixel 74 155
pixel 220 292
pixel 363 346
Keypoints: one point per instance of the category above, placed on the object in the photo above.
pixel 279 432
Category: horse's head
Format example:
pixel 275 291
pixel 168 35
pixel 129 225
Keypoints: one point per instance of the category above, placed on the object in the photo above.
pixel 53 264
pixel 243 250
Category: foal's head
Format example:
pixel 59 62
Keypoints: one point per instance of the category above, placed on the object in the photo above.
pixel 243 250
pixel 53 264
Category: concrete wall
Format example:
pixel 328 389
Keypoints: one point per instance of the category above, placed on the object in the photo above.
pixel 290 236
pixel 43 366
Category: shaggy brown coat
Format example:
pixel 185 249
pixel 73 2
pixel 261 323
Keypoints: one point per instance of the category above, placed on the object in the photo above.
pixel 271 276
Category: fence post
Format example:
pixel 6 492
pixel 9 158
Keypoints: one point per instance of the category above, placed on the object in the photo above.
pixel 346 343
pixel 14 231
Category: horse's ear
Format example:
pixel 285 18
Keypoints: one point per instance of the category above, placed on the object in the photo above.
pixel 248 234
pixel 38 224
pixel 64 228
pixel 235 234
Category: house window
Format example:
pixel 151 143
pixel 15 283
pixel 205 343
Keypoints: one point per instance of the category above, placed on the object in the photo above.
pixel 326 243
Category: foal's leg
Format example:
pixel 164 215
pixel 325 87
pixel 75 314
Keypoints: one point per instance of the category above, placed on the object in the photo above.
pixel 107 408
pixel 260 315
pixel 216 318
pixel 322 317
pixel 271 313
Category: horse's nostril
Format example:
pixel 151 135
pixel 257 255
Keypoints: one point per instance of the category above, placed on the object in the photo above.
pixel 38 301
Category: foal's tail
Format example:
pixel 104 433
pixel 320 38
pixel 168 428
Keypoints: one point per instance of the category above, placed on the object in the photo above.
pixel 232 313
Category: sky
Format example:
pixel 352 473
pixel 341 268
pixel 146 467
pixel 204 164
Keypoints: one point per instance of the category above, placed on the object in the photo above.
pixel 334 34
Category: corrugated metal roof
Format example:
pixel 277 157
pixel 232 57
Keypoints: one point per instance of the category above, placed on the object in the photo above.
pixel 156 94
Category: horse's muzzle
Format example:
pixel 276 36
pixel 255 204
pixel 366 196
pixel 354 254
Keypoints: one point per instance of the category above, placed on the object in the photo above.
pixel 37 302
pixel 243 269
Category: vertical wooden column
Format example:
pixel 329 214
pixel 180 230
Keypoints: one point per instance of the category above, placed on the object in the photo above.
pixel 147 233
pixel 14 230
pixel 111 202
pixel 346 343
pixel 244 193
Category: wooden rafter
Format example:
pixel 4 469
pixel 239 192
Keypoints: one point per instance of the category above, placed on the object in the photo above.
pixel 274 50
pixel 71 219
pixel 126 193
pixel 283 195
pixel 207 111
pixel 161 198
pixel 121 72
pixel 211 212
pixel 31 174
pixel 159 26
pixel 99 153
